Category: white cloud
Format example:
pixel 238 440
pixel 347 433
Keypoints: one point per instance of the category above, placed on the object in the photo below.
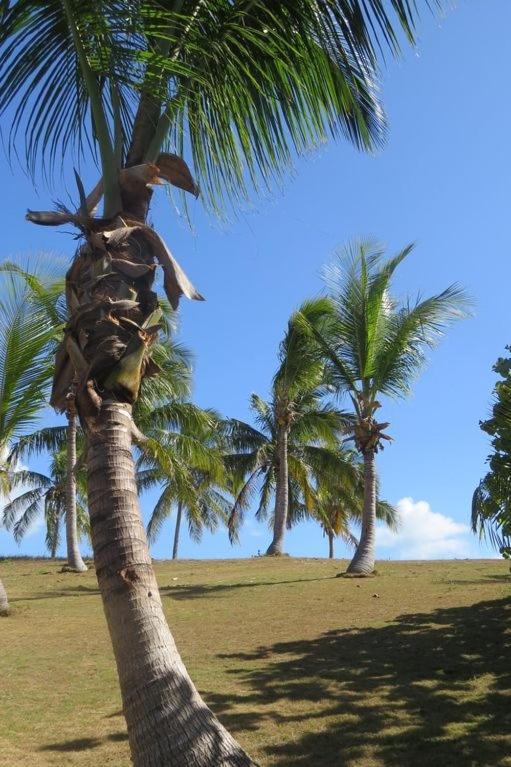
pixel 426 534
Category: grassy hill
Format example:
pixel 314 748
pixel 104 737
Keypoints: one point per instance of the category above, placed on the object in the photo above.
pixel 412 667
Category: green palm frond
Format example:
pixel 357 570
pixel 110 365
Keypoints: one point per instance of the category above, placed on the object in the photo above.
pixel 49 438
pixel 242 85
pixel 26 335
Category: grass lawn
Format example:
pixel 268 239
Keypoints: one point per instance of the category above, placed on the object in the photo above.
pixel 412 667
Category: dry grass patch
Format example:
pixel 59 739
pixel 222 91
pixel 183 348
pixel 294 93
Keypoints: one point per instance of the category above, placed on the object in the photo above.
pixel 305 668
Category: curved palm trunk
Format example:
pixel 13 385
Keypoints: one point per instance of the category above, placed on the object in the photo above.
pixel 176 531
pixel 4 603
pixel 168 722
pixel 276 547
pixel 74 558
pixel 113 322
pixel 363 560
pixel 330 544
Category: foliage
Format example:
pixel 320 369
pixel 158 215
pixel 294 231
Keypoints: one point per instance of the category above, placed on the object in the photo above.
pixel 44 495
pixel 239 85
pixel 340 503
pixel 27 335
pixel 491 503
pixel 183 457
pixel 252 459
pixel 373 344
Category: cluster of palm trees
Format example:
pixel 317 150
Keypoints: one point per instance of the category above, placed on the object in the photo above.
pixel 304 456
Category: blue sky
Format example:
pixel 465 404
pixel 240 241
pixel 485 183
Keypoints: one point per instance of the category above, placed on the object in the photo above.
pixel 442 181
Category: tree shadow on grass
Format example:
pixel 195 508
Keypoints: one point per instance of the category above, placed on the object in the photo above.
pixel 84 744
pixel 427 689
pixel 205 590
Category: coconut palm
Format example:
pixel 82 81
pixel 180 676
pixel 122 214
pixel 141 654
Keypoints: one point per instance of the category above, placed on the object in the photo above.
pixel 241 85
pixel 48 294
pixel 188 467
pixel 26 334
pixel 340 507
pixel 45 495
pixel 375 347
pixel 255 456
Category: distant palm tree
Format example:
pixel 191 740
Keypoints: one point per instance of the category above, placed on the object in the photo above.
pixel 340 506
pixel 255 457
pixel 184 458
pixel 26 334
pixel 374 346
pixel 44 495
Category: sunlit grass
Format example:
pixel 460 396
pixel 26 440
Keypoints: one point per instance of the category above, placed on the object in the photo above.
pixel 409 668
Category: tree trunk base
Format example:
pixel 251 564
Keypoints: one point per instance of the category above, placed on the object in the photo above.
pixel 273 552
pixel 77 569
pixel 348 575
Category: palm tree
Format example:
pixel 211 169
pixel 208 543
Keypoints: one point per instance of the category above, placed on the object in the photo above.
pixel 340 505
pixel 374 346
pixel 25 338
pixel 48 294
pixel 255 460
pixel 228 81
pixel 188 467
pixel 46 495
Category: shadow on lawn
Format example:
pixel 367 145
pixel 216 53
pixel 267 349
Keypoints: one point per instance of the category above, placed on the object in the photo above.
pixel 195 592
pixel 84 744
pixel 427 689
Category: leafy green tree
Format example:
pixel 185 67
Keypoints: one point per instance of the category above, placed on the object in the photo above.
pixel 241 85
pixel 375 346
pixel 44 495
pixel 256 456
pixel 491 503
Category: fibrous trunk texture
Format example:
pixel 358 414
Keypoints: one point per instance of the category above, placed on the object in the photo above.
pixel 74 558
pixel 176 531
pixel 330 545
pixel 4 603
pixel 168 722
pixel 276 547
pixel 363 560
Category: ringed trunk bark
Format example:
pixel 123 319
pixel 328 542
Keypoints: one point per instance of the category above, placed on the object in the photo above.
pixel 4 602
pixel 74 558
pixel 168 722
pixel 363 559
pixel 276 547
pixel 330 545
pixel 176 531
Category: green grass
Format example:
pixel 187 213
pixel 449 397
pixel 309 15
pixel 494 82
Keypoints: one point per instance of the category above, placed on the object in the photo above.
pixel 307 670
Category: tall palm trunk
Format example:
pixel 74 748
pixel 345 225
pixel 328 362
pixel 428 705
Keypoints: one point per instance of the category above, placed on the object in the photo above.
pixel 168 722
pixel 4 603
pixel 113 319
pixel 363 560
pixel 330 544
pixel 74 558
pixel 176 531
pixel 281 493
